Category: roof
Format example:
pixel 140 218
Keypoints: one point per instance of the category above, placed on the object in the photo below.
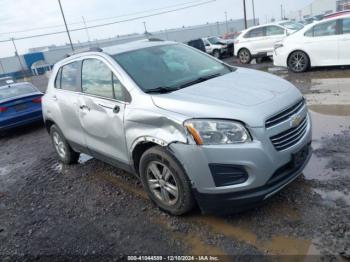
pixel 131 46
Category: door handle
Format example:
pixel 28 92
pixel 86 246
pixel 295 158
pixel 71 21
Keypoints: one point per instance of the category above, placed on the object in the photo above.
pixel 54 98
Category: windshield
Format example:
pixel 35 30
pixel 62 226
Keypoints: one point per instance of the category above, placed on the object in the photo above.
pixel 14 91
pixel 292 25
pixel 214 40
pixel 169 66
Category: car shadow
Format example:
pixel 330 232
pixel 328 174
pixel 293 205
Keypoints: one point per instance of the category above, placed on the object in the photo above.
pixel 21 130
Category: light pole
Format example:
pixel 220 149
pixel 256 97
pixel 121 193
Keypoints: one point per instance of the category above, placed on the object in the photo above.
pixel 245 15
pixel 19 59
pixel 253 11
pixel 65 24
pixel 226 22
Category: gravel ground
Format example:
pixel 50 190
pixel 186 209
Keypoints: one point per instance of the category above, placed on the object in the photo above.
pixel 93 210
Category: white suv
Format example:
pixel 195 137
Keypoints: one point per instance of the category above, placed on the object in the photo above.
pixel 259 41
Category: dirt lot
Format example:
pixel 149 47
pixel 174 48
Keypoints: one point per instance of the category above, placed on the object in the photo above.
pixel 92 209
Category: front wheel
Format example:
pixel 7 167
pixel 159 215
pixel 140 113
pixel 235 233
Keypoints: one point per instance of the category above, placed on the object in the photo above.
pixel 244 56
pixel 165 181
pixel 298 62
pixel 216 54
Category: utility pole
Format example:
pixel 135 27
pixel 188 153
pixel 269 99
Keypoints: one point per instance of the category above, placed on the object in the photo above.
pixel 87 30
pixel 281 12
pixel 18 57
pixel 226 22
pixel 65 23
pixel 245 15
pixel 144 25
pixel 253 11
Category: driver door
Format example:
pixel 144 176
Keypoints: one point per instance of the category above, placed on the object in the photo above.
pixel 102 104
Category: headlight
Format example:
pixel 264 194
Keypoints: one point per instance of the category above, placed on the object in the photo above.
pixel 217 132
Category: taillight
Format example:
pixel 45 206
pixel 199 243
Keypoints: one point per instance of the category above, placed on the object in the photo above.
pixel 37 100
pixel 3 109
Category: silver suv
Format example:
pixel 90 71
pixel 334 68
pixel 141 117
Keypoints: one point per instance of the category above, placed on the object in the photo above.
pixel 192 128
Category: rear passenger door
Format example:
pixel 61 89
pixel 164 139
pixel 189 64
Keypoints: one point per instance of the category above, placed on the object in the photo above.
pixel 65 100
pixel 321 43
pixel 102 104
pixel 274 34
pixel 256 40
pixel 344 42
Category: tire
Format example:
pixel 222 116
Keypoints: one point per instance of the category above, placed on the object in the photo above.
pixel 298 62
pixel 216 54
pixel 65 153
pixel 165 181
pixel 244 56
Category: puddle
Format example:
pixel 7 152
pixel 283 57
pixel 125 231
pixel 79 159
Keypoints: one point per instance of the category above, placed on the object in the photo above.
pixel 333 110
pixel 276 245
pixel 84 158
pixel 324 126
pixel 333 196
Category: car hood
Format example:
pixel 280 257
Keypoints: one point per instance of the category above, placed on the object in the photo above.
pixel 241 95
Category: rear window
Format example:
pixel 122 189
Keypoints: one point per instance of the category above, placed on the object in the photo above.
pixel 14 91
pixel 257 32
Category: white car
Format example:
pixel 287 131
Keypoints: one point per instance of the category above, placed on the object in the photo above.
pixel 259 41
pixel 323 43
pixel 217 47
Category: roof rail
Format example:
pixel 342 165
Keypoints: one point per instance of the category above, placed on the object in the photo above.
pixel 154 39
pixel 83 50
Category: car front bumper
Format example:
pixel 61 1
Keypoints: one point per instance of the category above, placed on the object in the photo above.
pixel 259 159
pixel 279 58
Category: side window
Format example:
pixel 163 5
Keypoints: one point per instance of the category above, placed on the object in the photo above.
pixel 97 78
pixel 326 29
pixel 274 30
pixel 58 79
pixel 120 92
pixel 70 76
pixel 257 32
pixel 346 26
pixel 310 32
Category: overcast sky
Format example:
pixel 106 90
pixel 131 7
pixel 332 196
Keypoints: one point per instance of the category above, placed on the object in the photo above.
pixel 23 15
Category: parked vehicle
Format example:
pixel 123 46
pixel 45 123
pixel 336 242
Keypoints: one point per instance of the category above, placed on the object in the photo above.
pixel 324 43
pixel 7 80
pixel 198 44
pixel 258 41
pixel 214 46
pixel 218 47
pixel 336 14
pixel 20 104
pixel 193 128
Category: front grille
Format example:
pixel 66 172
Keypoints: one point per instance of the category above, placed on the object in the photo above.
pixel 289 137
pixel 284 115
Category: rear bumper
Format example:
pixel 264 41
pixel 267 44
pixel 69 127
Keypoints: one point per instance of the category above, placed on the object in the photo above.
pixel 243 200
pixel 20 120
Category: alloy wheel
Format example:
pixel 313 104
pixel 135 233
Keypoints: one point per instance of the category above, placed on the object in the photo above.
pixel 162 183
pixel 298 62
pixel 244 56
pixel 59 145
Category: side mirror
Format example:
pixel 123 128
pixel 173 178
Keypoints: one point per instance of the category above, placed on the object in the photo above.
pixel 287 33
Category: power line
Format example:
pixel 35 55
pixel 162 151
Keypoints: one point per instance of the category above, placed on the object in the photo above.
pixel 99 19
pixel 112 23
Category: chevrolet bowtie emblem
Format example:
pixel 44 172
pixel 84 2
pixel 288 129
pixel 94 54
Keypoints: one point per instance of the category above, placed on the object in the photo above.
pixel 295 121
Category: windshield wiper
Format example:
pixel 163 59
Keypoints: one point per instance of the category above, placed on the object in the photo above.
pixel 161 90
pixel 200 80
